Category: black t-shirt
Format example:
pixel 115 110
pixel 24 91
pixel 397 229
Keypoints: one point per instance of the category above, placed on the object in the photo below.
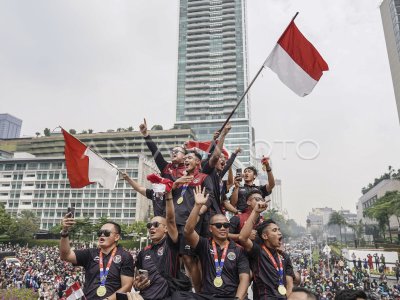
pixel 156 259
pixel 236 262
pixel 89 259
pixel 244 190
pixel 182 210
pixel 265 276
pixel 158 203
pixel 219 186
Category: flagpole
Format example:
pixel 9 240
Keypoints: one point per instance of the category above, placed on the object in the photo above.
pixel 95 152
pixel 251 83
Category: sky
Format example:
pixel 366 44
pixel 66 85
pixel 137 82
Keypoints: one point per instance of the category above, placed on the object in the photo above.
pixel 107 64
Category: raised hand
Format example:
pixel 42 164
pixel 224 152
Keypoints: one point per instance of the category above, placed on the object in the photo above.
pixel 238 150
pixel 227 128
pixel 216 135
pixel 200 196
pixel 261 206
pixel 143 127
pixel 124 176
pixel 68 222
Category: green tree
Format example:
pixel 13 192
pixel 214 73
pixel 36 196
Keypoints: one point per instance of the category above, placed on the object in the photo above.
pixel 72 131
pixel 90 131
pixel 37 134
pixel 46 132
pixel 26 224
pixel 84 132
pixel 383 209
pixel 138 229
pixel 99 223
pixel 337 218
pixel 82 230
pixel 130 128
pixel 6 221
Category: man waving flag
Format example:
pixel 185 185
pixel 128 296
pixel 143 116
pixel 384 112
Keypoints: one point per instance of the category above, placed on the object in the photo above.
pixel 85 166
pixel 296 61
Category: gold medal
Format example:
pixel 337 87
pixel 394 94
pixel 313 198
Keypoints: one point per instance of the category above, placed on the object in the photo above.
pixel 218 281
pixel 282 290
pixel 180 200
pixel 101 291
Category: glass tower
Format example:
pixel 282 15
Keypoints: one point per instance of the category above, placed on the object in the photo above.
pixel 390 12
pixel 212 71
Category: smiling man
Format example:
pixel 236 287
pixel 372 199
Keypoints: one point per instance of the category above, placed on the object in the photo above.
pixel 268 266
pixel 172 170
pixel 225 267
pixel 108 268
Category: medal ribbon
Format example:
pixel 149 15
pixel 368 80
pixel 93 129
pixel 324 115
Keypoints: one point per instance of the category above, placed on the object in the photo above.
pixel 219 265
pixel 184 188
pixel 104 273
pixel 280 269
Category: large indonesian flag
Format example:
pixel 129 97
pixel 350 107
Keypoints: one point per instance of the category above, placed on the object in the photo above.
pixel 85 167
pixel 296 61
pixel 74 292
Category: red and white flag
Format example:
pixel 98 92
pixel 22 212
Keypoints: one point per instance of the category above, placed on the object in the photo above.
pixel 204 146
pixel 296 61
pixel 85 167
pixel 74 292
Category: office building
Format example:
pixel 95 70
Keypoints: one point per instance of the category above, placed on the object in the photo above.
pixel 10 126
pixel 390 13
pixel 212 71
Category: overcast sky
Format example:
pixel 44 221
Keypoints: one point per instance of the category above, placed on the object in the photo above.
pixel 107 64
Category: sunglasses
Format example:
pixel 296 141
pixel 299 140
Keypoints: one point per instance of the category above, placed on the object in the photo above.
pixel 176 151
pixel 104 232
pixel 220 225
pixel 258 199
pixel 153 224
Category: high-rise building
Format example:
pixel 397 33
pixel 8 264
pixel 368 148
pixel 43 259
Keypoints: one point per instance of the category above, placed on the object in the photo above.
pixel 390 12
pixel 10 126
pixel 212 71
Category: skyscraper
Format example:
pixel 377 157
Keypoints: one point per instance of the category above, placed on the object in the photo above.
pixel 390 12
pixel 212 71
pixel 10 126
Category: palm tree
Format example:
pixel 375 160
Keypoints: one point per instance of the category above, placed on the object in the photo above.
pixel 338 219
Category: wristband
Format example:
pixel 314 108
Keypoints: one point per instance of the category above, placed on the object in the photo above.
pixel 269 170
pixel 64 233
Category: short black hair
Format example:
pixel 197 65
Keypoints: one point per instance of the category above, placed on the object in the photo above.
pixel 260 228
pixel 252 192
pixel 116 225
pixel 197 154
pixel 350 295
pixel 252 169
pixel 310 295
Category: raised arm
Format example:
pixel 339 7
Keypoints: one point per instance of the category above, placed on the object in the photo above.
pixel 245 233
pixel 170 216
pixel 230 161
pixel 218 150
pixel 134 184
pixel 158 157
pixel 235 194
pixel 191 236
pixel 66 253
pixel 271 179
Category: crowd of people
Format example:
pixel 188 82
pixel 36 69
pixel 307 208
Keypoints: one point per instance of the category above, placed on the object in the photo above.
pixel 209 240
pixel 39 269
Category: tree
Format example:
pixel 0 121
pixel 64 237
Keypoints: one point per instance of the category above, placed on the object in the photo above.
pixel 72 131
pixel 157 127
pixel 383 209
pixel 46 132
pixel 5 220
pixel 84 132
pixel 90 131
pixel 37 134
pixel 130 128
pixel 83 229
pixel 25 225
pixel 338 219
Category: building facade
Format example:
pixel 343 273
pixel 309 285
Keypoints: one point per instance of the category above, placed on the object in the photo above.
pixel 10 126
pixel 212 71
pixel 390 13
pixel 36 179
pixel 370 197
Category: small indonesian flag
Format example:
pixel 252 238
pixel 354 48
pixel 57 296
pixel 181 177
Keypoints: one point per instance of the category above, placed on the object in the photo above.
pixel 296 61
pixel 85 167
pixel 204 146
pixel 74 292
